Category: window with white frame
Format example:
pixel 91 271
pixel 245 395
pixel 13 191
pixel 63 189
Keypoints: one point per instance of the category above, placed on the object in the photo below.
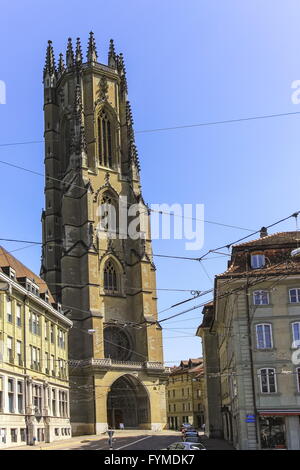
pixel 257 261
pixel 298 378
pixel 53 394
pixel 267 380
pixel 19 352
pixel 10 349
pixel 264 338
pixel 261 297
pixel 18 315
pixel 294 295
pixel 296 334
pixel 8 310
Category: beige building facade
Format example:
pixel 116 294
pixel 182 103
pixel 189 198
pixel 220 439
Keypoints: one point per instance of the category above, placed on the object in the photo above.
pixel 34 384
pixel 256 321
pixel 185 394
pixel 103 275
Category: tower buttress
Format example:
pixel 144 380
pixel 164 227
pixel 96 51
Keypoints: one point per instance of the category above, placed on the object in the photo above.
pixel 104 279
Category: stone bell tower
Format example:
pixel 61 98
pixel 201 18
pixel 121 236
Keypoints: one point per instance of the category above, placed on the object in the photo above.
pixel 105 282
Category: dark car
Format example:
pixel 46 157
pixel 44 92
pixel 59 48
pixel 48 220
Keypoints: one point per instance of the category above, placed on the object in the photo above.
pixel 190 433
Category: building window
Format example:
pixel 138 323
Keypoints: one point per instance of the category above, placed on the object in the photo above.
pixel 46 329
pixel 35 358
pixel 298 378
pixel 267 380
pixel 18 315
pixel 52 333
pixel 296 334
pixel 63 404
pixel 23 434
pixel 8 310
pixel 257 261
pixel 110 277
pixel 3 435
pixel 13 435
pixel 52 365
pixel 294 295
pixel 19 352
pixel 261 297
pixel 174 407
pixel 37 398
pixel 20 393
pixel 34 323
pixel 264 336
pixel 105 140
pixel 61 339
pixel 10 349
pixel 53 402
pixel 47 363
pixel 173 393
pixel 11 395
pixel 1 395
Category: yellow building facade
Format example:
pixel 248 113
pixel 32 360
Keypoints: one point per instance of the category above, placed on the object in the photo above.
pixel 34 384
pixel 104 276
pixel 185 394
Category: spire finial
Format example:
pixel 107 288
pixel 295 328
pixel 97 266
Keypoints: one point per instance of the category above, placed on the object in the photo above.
pixel 112 62
pixel 61 65
pixel 70 54
pixel 50 61
pixel 92 51
pixel 78 52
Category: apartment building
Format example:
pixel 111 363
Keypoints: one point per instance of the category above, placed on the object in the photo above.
pixel 185 394
pixel 254 323
pixel 34 384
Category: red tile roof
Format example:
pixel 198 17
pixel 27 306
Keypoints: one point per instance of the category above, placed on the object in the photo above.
pixel 8 260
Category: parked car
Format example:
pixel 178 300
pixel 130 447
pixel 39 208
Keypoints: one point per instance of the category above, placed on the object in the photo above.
pixel 186 446
pixel 185 426
pixel 189 434
pixel 192 439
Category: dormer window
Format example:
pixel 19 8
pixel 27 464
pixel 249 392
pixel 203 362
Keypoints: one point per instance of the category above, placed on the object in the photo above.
pixel 258 261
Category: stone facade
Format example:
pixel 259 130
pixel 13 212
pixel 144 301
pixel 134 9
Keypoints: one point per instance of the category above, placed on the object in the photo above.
pixel 34 384
pixel 185 394
pixel 255 320
pixel 105 279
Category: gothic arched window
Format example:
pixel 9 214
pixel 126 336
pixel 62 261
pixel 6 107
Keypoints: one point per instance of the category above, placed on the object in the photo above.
pixel 111 281
pixel 108 212
pixel 105 140
pixel 117 345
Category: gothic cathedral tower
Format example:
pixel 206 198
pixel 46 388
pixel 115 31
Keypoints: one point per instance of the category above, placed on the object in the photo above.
pixel 105 284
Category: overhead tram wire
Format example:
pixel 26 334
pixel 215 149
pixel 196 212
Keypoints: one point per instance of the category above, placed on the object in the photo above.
pixel 148 209
pixel 171 128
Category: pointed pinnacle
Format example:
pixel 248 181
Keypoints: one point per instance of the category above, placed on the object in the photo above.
pixel 70 54
pixel 50 61
pixel 78 52
pixel 92 51
pixel 61 65
pixel 112 62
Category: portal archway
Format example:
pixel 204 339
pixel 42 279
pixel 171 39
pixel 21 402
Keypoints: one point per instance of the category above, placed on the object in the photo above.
pixel 128 403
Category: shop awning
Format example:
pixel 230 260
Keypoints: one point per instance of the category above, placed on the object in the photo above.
pixel 278 412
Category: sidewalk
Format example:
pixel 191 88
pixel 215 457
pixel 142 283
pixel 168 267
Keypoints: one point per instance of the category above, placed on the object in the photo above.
pixel 76 440
pixel 216 444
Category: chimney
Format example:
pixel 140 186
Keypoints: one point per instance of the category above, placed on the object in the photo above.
pixel 263 232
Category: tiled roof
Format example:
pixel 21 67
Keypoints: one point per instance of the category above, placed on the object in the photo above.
pixel 8 260
pixel 277 250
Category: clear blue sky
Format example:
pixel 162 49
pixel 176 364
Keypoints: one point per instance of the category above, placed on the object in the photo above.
pixel 187 62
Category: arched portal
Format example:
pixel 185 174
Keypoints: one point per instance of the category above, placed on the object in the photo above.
pixel 128 403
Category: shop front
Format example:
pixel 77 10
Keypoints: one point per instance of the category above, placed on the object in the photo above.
pixel 279 429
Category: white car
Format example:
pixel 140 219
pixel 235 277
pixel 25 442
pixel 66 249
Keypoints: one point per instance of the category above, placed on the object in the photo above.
pixel 186 446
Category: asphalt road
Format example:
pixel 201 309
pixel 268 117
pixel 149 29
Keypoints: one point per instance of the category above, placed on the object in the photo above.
pixel 142 442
